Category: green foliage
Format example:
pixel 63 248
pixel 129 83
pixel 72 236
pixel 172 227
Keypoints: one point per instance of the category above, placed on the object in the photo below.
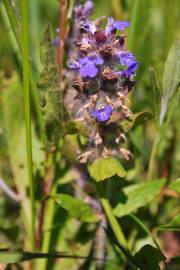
pixel 49 83
pixel 75 207
pixel 171 77
pixel 174 263
pixel 17 256
pixel 156 91
pixel 104 168
pixel 135 196
pixel 173 225
pixel 175 185
pixel 155 148
pixel 135 120
pixel 74 127
pixel 148 258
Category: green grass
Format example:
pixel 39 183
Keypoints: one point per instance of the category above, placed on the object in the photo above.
pixel 27 112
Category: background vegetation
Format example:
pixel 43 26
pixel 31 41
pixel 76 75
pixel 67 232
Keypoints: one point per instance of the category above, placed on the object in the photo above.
pixel 154 29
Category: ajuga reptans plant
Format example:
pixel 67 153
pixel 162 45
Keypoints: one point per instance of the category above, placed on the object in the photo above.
pixel 102 72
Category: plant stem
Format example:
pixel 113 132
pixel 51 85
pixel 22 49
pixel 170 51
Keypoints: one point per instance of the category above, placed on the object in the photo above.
pixel 113 222
pixel 48 223
pixel 141 224
pixel 27 111
pixel 110 216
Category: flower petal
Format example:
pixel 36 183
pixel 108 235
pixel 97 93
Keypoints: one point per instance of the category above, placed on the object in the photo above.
pixel 98 61
pixel 102 115
pixel 109 27
pixel 126 58
pixel 88 8
pixel 88 70
pixel 89 27
pixel 121 25
pixel 56 41
pixel 132 68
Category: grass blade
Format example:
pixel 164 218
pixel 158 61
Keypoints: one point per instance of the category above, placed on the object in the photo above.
pixel 27 111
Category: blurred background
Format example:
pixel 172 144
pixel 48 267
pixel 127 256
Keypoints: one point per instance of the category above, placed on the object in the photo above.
pixel 155 24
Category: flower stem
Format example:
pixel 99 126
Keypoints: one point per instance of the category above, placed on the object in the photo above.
pixel 27 111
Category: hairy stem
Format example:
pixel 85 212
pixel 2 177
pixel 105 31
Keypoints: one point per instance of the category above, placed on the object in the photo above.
pixel 62 34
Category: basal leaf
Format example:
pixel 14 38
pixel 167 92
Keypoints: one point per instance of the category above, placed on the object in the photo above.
pixel 49 83
pixel 173 225
pixel 171 77
pixel 148 258
pixel 104 168
pixel 136 196
pixel 75 207
pixel 175 185
pixel 135 120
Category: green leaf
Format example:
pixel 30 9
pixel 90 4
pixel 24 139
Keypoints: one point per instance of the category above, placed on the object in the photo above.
pixel 49 83
pixel 171 77
pixel 148 258
pixel 75 207
pixel 135 120
pixel 17 256
pixel 104 168
pixel 175 185
pixel 156 90
pixel 173 225
pixel 146 230
pixel 135 196
pixel 74 127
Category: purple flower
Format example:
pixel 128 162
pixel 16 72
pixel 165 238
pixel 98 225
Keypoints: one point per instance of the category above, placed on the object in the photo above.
pixel 126 58
pixel 88 65
pixel 130 70
pixel 103 114
pixel 121 25
pixel 56 41
pixel 115 25
pixel 83 11
pixel 109 27
pixel 88 8
pixel 89 27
